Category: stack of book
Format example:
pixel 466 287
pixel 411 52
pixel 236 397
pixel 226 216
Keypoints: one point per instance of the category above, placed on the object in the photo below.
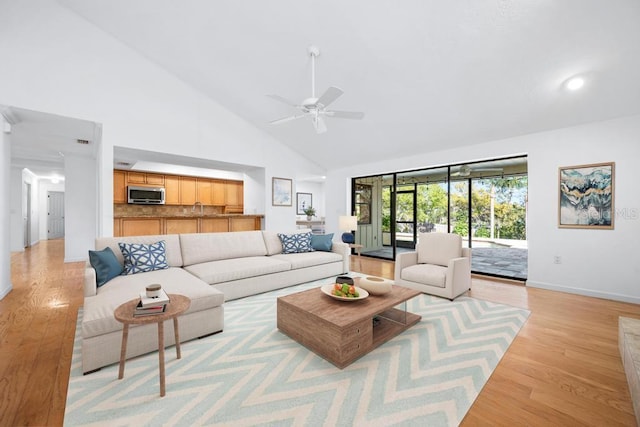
pixel 149 306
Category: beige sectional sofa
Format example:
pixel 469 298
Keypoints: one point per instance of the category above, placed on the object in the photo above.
pixel 209 268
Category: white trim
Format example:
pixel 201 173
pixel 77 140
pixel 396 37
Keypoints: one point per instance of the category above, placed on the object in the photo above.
pixel 6 291
pixel 584 292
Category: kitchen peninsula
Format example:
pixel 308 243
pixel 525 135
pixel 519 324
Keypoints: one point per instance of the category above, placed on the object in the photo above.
pixel 192 205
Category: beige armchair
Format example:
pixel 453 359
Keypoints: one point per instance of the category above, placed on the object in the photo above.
pixel 439 266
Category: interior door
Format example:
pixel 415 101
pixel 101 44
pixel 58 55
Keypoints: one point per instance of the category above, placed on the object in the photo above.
pixel 55 214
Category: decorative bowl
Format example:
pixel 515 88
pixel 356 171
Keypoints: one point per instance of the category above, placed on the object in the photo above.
pixel 327 289
pixel 375 285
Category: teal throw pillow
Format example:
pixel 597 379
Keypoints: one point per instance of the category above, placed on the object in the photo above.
pixel 105 264
pixel 295 243
pixel 322 242
pixel 140 258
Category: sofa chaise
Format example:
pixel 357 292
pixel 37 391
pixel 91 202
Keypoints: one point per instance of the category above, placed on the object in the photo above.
pixel 209 268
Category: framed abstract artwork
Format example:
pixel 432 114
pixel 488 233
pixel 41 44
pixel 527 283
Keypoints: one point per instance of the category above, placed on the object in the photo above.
pixel 586 194
pixel 303 201
pixel 281 191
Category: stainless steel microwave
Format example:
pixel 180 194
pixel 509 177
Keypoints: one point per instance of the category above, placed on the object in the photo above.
pixel 145 195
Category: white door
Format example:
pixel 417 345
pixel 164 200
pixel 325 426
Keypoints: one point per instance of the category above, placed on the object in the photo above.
pixel 55 214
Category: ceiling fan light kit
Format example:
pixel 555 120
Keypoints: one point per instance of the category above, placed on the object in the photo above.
pixel 316 107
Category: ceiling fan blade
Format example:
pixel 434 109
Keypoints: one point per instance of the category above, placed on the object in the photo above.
pixel 356 115
pixel 329 96
pixel 319 124
pixel 283 100
pixel 286 119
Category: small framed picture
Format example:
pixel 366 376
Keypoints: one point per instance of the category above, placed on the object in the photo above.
pixel 586 196
pixel 303 201
pixel 281 191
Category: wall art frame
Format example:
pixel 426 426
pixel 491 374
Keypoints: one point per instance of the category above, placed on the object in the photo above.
pixel 303 201
pixel 586 196
pixel 281 191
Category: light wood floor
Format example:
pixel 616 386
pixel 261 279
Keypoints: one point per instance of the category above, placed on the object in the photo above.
pixel 563 368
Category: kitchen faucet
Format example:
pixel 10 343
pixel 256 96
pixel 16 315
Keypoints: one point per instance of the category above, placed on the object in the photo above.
pixel 193 208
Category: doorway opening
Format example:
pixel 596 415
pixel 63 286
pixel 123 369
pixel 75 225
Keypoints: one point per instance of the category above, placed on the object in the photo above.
pixel 485 202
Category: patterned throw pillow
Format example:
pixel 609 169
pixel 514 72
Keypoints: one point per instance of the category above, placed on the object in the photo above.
pixel 295 243
pixel 139 258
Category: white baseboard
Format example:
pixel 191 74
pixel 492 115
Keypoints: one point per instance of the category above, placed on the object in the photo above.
pixel 5 292
pixel 585 292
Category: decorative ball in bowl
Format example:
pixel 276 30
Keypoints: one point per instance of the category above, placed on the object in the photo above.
pixel 375 285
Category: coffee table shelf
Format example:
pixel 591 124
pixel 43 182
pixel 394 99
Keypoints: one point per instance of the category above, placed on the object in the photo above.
pixel 343 331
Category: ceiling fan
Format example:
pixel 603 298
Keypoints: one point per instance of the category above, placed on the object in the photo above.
pixel 316 107
pixel 466 170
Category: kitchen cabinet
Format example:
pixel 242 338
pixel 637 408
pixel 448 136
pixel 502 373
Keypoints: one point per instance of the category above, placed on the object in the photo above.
pixel 140 226
pixel 188 190
pixel 214 225
pixel 218 192
pixel 204 191
pixel 181 225
pixel 244 224
pixel 119 186
pixel 172 190
pixel 145 178
pixel 234 193
pixel 117 232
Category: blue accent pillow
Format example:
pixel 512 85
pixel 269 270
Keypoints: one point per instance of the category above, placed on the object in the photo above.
pixel 140 258
pixel 295 243
pixel 105 264
pixel 322 242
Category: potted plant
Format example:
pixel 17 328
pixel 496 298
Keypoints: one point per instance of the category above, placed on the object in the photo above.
pixel 309 212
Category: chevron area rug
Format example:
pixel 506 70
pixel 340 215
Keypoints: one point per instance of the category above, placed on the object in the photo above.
pixel 252 374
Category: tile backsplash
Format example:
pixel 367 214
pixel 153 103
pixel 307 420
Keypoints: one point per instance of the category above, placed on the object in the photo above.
pixel 130 210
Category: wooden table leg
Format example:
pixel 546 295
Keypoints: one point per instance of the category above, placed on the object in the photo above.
pixel 123 350
pixel 161 356
pixel 177 335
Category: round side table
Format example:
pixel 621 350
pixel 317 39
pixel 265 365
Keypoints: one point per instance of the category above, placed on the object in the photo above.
pixel 177 305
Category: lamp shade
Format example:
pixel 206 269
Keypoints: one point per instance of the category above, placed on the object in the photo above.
pixel 348 223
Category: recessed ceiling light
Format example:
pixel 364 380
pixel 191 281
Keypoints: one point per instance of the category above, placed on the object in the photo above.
pixel 575 83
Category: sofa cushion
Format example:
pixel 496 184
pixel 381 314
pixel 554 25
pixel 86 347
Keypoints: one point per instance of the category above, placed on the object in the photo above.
pixel 308 259
pixel 438 248
pixel 322 242
pixel 426 274
pixel 204 247
pixel 295 243
pixel 105 264
pixel 172 246
pixel 273 242
pixel 226 270
pixel 98 310
pixel 141 258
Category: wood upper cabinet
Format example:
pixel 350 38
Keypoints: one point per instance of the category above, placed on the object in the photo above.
pixel 119 187
pixel 204 191
pixel 145 178
pixel 234 193
pixel 218 191
pixel 172 190
pixel 188 190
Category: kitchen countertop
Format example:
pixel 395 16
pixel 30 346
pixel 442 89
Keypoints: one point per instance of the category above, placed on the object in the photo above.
pixel 186 216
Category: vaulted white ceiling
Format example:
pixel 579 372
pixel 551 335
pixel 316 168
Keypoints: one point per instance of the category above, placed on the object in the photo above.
pixel 427 74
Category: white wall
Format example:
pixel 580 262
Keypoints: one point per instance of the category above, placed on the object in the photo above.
pixel 16 235
pixel 63 65
pixel 317 192
pixel 601 263
pixel 79 222
pixel 5 224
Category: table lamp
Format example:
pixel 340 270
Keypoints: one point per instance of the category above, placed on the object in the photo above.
pixel 348 224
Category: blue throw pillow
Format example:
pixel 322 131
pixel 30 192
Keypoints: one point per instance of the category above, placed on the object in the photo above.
pixel 295 243
pixel 105 264
pixel 140 258
pixel 322 242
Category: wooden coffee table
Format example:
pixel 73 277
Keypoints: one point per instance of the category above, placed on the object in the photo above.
pixel 343 331
pixel 178 304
